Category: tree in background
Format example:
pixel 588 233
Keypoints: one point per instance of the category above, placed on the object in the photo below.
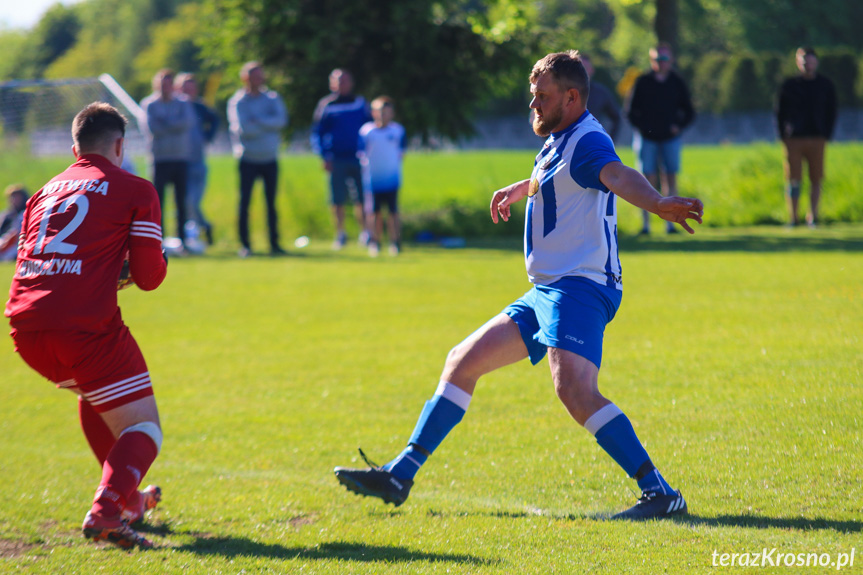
pixel 784 25
pixel 665 23
pixel 113 34
pixel 445 59
pixel 440 61
pixel 174 45
pixel 52 37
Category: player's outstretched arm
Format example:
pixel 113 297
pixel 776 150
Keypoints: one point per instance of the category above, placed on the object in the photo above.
pixel 503 198
pixel 635 189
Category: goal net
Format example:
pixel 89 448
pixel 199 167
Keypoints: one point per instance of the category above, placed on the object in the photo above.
pixel 38 113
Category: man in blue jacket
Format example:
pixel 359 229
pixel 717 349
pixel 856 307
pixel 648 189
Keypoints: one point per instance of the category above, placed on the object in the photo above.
pixel 335 133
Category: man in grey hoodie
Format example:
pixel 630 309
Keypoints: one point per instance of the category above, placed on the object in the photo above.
pixel 169 124
pixel 256 116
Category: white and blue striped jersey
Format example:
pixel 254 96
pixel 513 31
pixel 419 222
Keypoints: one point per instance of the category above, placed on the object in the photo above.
pixel 380 151
pixel 571 217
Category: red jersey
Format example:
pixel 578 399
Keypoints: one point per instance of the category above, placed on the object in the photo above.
pixel 77 230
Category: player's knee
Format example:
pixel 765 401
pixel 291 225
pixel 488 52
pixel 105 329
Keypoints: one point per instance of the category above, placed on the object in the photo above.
pixel 148 428
pixel 459 368
pixel 580 400
pixel 455 357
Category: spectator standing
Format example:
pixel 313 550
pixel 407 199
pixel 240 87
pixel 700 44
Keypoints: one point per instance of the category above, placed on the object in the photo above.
pixel 602 103
pixel 79 228
pixel 335 130
pixel 205 129
pixel 11 220
pixel 382 144
pixel 169 125
pixel 660 107
pixel 256 116
pixel 806 116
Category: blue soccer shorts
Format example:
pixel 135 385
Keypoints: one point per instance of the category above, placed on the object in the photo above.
pixel 569 314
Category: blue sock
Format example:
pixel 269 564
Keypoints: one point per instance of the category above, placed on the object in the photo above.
pixel 407 463
pixel 439 416
pixel 614 433
pixel 654 481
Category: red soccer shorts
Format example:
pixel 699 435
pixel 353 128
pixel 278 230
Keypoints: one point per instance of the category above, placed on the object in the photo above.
pixel 107 369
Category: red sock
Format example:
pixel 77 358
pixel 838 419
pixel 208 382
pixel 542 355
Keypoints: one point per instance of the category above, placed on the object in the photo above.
pixel 98 434
pixel 126 465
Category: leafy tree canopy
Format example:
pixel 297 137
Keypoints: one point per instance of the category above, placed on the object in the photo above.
pixel 440 61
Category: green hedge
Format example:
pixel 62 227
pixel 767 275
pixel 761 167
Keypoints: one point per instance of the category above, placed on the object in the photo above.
pixel 749 81
pixel 843 67
pixel 743 86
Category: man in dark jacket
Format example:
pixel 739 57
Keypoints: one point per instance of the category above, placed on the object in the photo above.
pixel 335 134
pixel 659 109
pixel 805 116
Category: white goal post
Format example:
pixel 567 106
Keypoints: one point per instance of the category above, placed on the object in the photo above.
pixel 39 113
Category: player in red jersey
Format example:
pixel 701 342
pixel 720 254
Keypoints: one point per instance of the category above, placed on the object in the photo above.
pixel 76 234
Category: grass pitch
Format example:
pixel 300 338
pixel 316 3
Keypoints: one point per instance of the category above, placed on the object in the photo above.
pixel 448 193
pixel 735 353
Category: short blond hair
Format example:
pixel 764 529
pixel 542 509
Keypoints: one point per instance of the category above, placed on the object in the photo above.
pixel 382 101
pixel 181 79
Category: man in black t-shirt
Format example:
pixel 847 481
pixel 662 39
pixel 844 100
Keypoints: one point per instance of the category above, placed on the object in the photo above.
pixel 805 117
pixel 659 109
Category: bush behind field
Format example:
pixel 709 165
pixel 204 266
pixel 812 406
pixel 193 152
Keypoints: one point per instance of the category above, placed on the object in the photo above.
pixel 447 193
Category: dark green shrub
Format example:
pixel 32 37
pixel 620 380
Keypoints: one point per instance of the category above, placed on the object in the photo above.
pixel 773 73
pixel 707 82
pixel 742 86
pixel 841 66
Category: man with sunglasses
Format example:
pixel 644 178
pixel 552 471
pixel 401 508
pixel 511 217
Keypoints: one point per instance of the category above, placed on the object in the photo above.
pixel 659 109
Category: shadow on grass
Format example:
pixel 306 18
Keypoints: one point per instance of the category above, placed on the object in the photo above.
pixel 761 522
pixel 344 551
pixel 762 240
pixel 743 243
pixel 766 239
pixel 742 521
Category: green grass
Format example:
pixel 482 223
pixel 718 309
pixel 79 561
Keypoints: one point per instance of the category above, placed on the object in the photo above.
pixel 448 193
pixel 736 354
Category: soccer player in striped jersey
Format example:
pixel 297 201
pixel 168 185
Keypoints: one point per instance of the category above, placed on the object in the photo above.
pixel 77 232
pixel 570 249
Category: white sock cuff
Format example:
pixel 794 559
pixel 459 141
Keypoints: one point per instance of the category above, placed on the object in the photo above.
pixel 149 429
pixel 602 416
pixel 453 393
